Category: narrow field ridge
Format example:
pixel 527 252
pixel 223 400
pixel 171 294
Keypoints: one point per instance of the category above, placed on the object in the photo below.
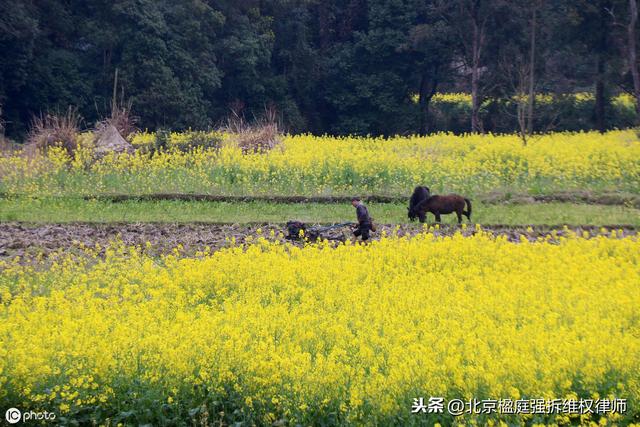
pixel 22 239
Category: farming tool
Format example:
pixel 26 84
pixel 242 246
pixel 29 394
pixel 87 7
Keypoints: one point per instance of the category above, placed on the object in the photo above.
pixel 294 229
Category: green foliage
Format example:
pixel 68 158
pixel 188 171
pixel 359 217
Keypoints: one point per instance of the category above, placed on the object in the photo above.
pixel 336 66
pixel 164 140
pixel 63 210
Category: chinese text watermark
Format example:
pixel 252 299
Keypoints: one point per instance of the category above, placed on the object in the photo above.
pixel 457 407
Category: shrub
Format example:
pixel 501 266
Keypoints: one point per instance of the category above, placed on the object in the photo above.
pixel 261 136
pixel 55 130
pixel 187 141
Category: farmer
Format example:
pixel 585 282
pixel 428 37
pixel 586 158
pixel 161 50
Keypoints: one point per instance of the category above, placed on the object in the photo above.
pixel 364 220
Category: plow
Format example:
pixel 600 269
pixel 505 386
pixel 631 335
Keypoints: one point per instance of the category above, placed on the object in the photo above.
pixel 297 230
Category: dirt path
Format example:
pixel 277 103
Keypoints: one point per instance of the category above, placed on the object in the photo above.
pixel 18 239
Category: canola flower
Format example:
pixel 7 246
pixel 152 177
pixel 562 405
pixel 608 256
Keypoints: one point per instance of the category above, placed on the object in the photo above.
pixel 315 165
pixel 349 335
pixel 623 101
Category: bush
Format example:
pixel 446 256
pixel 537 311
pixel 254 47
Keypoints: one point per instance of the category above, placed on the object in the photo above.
pixel 262 135
pixel 195 139
pixel 146 142
pixel 55 130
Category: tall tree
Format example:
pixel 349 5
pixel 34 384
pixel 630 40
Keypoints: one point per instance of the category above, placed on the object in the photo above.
pixel 339 66
pixel 430 42
pixel 476 23
pixel 632 37
pixel 368 84
pixel 535 5
pixel 602 45
pixel 18 32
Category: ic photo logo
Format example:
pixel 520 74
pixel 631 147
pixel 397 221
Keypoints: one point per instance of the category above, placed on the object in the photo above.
pixel 13 415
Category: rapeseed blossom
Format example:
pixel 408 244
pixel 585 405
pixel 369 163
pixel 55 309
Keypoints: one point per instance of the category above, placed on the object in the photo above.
pixel 314 165
pixel 271 332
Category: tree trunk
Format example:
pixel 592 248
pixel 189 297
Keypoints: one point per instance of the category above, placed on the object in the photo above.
pixel 633 61
pixel 428 88
pixel 532 67
pixel 601 97
pixel 475 73
pixel 521 114
pixel 425 118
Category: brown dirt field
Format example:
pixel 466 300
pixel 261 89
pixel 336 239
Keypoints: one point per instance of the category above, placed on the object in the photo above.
pixel 24 240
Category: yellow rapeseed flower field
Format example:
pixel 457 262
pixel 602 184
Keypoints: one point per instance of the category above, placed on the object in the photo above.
pixel 311 165
pixel 272 332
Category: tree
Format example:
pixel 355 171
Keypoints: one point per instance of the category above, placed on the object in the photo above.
pixel 338 66
pixel 584 37
pixel 471 21
pixel 632 52
pixel 518 69
pixel 430 42
pixel 369 81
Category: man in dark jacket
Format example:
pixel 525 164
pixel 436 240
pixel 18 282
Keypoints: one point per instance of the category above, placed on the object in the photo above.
pixel 364 220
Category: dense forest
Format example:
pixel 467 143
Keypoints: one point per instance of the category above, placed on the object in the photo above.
pixel 326 66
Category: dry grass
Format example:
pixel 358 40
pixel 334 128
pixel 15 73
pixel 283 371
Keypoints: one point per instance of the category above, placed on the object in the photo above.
pixel 122 119
pixel 262 135
pixel 2 125
pixel 55 130
pixel 7 146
